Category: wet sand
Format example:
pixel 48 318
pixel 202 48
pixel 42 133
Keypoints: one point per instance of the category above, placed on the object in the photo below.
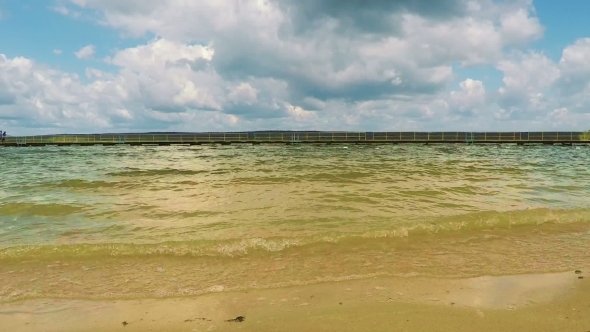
pixel 535 302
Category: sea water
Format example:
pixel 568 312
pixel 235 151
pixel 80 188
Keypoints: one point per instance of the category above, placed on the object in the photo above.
pixel 135 222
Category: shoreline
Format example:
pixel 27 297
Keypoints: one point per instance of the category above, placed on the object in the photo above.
pixel 540 302
pixel 107 276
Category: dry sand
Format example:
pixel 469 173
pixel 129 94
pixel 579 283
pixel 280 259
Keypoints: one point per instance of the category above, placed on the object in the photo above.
pixel 546 302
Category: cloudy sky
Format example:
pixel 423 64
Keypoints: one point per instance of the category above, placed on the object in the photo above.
pixel 81 66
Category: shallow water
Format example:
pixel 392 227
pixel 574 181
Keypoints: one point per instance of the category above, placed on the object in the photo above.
pixel 198 219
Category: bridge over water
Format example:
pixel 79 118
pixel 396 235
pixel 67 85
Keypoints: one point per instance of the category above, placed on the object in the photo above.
pixel 302 137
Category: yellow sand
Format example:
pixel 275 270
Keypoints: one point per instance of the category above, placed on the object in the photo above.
pixel 546 302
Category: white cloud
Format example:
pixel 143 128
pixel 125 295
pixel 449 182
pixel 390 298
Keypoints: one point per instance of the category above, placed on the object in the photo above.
pixel 170 76
pixel 527 79
pixel 60 8
pixel 300 114
pixel 243 93
pixel 86 52
pixel 519 27
pixel 471 98
pixel 575 68
pixel 385 65
pixel 57 51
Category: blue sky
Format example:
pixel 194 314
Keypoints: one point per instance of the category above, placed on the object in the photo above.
pixel 287 64
pixel 564 22
pixel 35 31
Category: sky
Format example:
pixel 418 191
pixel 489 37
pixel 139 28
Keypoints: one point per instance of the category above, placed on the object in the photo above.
pixel 91 66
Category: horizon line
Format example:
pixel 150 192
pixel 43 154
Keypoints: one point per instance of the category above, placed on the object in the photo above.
pixel 299 131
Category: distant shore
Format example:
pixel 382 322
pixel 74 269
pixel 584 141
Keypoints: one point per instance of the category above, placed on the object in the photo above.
pixel 303 137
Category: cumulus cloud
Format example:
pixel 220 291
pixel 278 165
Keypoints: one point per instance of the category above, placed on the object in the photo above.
pixel 527 79
pixel 470 99
pixel 57 51
pixel 85 52
pixel 575 68
pixel 349 51
pixel 286 64
pixel 519 27
pixel 35 96
pixel 539 89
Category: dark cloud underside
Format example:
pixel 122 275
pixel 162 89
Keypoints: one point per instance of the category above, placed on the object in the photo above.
pixel 375 16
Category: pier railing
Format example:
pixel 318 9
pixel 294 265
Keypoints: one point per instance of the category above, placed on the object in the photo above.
pixel 303 137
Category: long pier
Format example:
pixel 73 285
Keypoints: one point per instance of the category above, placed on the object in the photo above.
pixel 302 137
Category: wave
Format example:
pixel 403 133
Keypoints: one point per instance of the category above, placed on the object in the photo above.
pixel 41 210
pixel 83 184
pixel 135 172
pixel 462 226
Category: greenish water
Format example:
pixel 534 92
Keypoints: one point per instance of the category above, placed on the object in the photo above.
pixel 326 211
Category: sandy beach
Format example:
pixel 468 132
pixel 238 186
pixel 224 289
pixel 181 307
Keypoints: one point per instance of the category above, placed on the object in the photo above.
pixel 534 302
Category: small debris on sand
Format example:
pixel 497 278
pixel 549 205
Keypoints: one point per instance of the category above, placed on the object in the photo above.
pixel 580 277
pixel 237 319
pixel 578 271
pixel 124 323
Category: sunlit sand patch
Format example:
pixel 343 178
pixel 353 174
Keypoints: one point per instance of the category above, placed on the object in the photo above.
pixel 496 292
pixel 511 292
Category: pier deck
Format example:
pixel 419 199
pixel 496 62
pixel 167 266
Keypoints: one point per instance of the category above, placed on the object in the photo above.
pixel 302 137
